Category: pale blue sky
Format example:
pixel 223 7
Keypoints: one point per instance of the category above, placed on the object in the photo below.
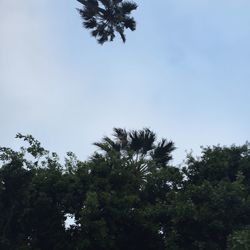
pixel 184 73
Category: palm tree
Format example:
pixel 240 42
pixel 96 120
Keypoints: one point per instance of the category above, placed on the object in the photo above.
pixel 139 148
pixel 106 17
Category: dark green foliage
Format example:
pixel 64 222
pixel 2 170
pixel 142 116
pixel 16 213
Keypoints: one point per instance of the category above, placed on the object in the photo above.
pixel 127 196
pixel 240 239
pixel 106 17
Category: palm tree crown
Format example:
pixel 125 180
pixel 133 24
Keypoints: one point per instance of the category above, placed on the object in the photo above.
pixel 106 17
pixel 140 147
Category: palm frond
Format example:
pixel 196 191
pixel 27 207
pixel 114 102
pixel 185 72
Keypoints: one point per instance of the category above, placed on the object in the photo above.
pixel 162 153
pixel 128 6
pixel 121 136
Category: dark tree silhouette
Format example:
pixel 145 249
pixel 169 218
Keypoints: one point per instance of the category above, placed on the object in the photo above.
pixel 105 18
pixel 127 196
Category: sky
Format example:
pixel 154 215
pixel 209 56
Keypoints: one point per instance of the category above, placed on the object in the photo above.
pixel 184 73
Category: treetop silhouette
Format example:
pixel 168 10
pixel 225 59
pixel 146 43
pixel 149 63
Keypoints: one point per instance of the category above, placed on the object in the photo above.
pixel 105 18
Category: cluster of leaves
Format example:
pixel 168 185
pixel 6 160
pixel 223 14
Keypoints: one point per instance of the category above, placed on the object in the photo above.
pixel 126 196
pixel 106 17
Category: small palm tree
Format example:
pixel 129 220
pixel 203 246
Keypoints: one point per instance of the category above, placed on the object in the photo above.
pixel 106 17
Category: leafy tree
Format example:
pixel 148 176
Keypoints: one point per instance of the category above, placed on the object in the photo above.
pixel 127 195
pixel 214 200
pixel 114 215
pixel 32 211
pixel 105 18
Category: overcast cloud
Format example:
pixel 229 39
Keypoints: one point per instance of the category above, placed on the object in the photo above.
pixel 184 73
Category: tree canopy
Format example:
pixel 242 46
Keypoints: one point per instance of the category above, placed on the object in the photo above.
pixel 127 195
pixel 105 18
